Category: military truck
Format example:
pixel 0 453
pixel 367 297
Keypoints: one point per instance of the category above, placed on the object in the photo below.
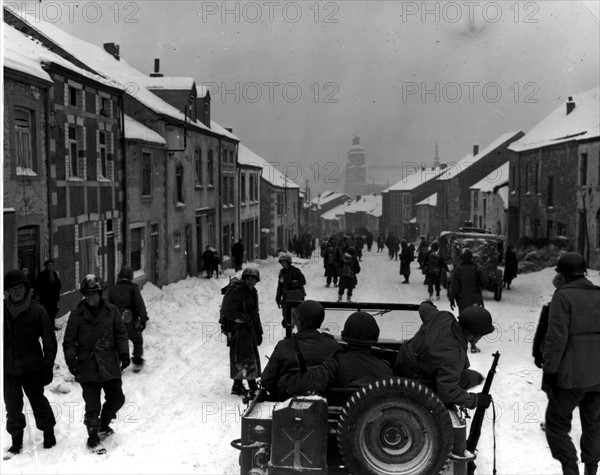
pixel 392 426
pixel 487 251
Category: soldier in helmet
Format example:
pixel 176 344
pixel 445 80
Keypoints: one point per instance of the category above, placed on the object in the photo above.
pixel 571 364
pixel 28 366
pixel 126 295
pixel 240 321
pixel 437 355
pixel 290 284
pixel 312 345
pixel 354 366
pixel 96 352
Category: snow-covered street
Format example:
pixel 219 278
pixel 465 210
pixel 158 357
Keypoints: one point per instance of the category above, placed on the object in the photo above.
pixel 180 418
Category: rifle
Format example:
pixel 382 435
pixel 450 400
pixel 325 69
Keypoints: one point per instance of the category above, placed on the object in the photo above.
pixel 475 431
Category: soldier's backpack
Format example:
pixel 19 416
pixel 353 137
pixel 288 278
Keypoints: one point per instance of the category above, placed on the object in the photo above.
pixel 331 255
pixel 347 270
pixel 433 263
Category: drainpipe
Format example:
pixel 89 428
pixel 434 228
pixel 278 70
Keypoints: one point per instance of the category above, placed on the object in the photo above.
pixel 125 220
pixel 49 181
pixel 220 200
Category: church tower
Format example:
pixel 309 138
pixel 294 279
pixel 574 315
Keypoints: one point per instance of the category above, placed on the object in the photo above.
pixel 356 170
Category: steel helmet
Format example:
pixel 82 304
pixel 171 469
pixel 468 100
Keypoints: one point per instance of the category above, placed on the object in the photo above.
pixel 15 277
pixel 251 272
pixel 570 264
pixel 477 320
pixel 126 272
pixel 360 329
pixel 284 256
pixel 311 313
pixel 91 283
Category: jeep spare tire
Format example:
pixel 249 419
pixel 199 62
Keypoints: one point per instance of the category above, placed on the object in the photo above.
pixel 394 426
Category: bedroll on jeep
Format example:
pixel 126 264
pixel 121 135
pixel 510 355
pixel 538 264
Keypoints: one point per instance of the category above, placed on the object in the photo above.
pixel 392 426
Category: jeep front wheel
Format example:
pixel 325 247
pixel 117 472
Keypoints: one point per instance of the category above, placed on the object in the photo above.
pixel 394 426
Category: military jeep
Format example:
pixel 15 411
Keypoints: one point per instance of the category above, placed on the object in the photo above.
pixel 392 426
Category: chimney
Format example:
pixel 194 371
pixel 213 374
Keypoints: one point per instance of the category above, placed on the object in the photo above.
pixel 112 49
pixel 570 105
pixel 475 149
pixel 156 73
pixel 357 197
pixel 229 129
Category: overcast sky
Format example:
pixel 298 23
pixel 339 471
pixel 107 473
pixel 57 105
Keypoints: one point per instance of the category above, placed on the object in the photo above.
pixel 296 80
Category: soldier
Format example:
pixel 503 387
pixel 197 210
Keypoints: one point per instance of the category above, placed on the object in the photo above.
pixel 435 265
pixel 571 364
pixel 352 367
pixel 312 345
pixel 332 258
pixel 437 355
pixel 467 282
pixel 126 295
pixel 96 352
pixel 240 321
pixel 28 366
pixel 47 289
pixel 290 284
pixel 348 279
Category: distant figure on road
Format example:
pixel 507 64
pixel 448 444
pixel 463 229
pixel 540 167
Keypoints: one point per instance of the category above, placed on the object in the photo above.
pixel 511 266
pixel 237 253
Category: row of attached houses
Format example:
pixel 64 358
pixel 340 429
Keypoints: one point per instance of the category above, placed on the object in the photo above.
pixel 105 166
pixel 544 184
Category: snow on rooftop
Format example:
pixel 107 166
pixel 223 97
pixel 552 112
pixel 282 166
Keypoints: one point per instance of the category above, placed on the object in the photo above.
pixel 269 171
pixel 366 204
pixel 119 73
pixel 413 178
pixel 169 83
pixel 582 123
pixel 326 197
pixel 26 55
pixel 136 131
pixel 454 169
pixel 496 178
pixel 431 200
pixel 333 213
pixel 222 130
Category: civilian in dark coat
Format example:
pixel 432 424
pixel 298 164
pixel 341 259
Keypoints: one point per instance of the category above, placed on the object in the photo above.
pixel 96 352
pixel 572 365
pixel 511 266
pixel 237 252
pixel 312 344
pixel 126 295
pixel 47 289
pixel 352 367
pixel 437 355
pixel 28 366
pixel 208 265
pixel 240 321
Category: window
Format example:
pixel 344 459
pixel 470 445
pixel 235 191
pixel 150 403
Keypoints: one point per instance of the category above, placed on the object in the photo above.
pixel 198 165
pixel 513 171
pixel 231 191
pixel 210 168
pixel 73 151
pixel 146 174
pixel 88 249
pixel 583 162
pixel 550 192
pixel 105 106
pixel 73 96
pixel 527 178
pixel 561 229
pixel 243 189
pixel 537 178
pixel 137 245
pixel 24 139
pixel 475 201
pixel 103 165
pixel 179 184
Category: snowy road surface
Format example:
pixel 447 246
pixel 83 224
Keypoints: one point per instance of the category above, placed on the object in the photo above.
pixel 180 418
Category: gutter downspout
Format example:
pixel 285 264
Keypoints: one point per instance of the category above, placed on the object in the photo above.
pixel 125 220
pixel 50 211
